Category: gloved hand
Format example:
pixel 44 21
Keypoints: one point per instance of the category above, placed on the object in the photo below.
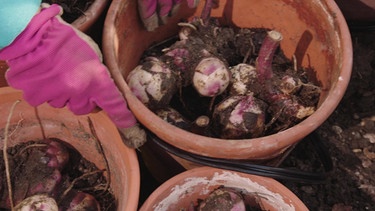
pixel 156 12
pixel 53 62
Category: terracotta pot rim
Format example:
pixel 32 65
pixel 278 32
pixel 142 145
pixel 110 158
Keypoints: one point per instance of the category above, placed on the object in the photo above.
pixel 208 172
pixel 198 144
pixel 134 180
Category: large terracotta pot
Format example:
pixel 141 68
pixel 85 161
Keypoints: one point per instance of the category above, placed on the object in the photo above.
pixel 193 185
pixel 29 123
pixel 314 31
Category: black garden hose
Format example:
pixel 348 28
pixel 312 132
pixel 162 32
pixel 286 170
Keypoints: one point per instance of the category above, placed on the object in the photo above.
pixel 257 169
pixel 362 26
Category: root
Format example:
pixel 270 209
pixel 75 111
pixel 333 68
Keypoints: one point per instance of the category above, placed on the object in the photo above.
pixel 211 106
pixel 30 146
pixel 71 186
pixel 295 65
pixel 101 151
pixel 188 25
pixel 18 124
pixel 5 155
pixel 250 52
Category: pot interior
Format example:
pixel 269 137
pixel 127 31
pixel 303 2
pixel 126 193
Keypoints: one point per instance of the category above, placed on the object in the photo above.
pixel 29 123
pixel 315 35
pixel 309 28
pixel 192 186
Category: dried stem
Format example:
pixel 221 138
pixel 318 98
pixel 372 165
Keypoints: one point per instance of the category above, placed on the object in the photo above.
pixel 200 125
pixel 202 121
pixel 266 53
pixel 5 155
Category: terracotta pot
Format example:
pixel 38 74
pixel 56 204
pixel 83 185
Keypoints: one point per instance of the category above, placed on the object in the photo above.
pixel 190 186
pixel 314 31
pixel 29 123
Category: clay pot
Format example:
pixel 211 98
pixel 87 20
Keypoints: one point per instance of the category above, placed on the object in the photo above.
pixel 29 123
pixel 314 31
pixel 190 186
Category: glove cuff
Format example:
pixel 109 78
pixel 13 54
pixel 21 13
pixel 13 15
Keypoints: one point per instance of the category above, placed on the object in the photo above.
pixel 151 23
pixel 193 3
pixel 133 137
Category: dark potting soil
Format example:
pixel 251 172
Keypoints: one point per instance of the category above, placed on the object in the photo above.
pixel 73 9
pixel 227 198
pixel 27 169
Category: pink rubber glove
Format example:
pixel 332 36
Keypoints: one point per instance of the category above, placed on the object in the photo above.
pixel 156 12
pixel 50 61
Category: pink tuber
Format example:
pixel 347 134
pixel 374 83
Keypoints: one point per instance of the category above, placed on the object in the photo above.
pixel 79 201
pixel 40 202
pixel 153 83
pixel 244 76
pixel 57 153
pixel 283 105
pixel 240 116
pixel 211 77
pixel 48 185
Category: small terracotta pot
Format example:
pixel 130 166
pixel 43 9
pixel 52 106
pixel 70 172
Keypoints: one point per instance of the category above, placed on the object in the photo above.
pixel 29 123
pixel 192 185
pixel 314 31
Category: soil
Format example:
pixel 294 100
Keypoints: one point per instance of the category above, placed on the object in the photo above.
pixel 28 172
pixel 224 198
pixel 73 9
pixel 348 138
